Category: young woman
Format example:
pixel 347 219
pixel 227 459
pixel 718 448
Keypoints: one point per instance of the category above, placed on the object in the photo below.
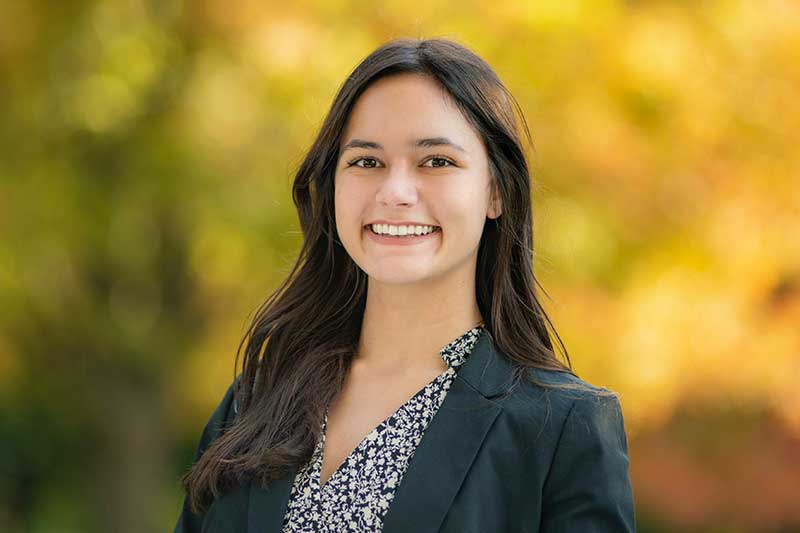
pixel 402 379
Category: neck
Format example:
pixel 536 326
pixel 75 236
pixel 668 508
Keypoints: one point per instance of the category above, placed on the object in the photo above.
pixel 407 326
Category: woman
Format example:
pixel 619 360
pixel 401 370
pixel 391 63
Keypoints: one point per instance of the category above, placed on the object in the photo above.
pixel 402 379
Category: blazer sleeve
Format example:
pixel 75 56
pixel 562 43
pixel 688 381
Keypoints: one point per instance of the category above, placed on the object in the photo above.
pixel 188 522
pixel 588 488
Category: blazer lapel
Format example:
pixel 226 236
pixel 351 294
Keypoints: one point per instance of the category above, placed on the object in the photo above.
pixel 449 444
pixel 440 463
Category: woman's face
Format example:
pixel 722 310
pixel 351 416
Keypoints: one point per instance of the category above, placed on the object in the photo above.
pixel 408 156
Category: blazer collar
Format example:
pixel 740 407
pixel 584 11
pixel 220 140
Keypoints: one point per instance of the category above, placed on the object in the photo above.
pixel 486 369
pixel 440 462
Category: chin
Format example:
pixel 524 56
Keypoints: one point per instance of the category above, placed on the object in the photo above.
pixel 398 278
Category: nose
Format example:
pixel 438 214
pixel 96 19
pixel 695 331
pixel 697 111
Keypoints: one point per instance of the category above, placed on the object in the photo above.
pixel 399 187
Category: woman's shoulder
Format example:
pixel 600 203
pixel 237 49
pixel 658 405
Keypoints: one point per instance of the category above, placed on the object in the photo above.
pixel 562 385
pixel 555 400
pixel 225 412
pixel 550 376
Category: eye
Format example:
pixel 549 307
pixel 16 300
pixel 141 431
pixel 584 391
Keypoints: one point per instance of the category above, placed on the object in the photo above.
pixel 441 160
pixel 371 162
pixel 357 160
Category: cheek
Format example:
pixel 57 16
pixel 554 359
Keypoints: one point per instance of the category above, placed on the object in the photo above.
pixel 464 207
pixel 349 205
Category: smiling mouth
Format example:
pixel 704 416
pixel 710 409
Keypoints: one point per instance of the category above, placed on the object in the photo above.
pixel 436 229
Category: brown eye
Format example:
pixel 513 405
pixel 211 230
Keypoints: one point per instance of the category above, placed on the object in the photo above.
pixel 355 162
pixel 442 162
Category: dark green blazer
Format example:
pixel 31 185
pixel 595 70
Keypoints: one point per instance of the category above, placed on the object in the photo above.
pixel 535 460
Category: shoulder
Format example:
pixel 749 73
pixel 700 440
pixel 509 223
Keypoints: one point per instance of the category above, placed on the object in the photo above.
pixel 223 415
pixel 555 403
pixel 561 388
pixel 588 456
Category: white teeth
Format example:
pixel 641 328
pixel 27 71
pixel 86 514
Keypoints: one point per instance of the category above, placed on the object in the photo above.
pixel 386 229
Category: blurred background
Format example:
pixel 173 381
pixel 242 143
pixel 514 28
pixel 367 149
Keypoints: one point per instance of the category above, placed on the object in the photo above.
pixel 147 150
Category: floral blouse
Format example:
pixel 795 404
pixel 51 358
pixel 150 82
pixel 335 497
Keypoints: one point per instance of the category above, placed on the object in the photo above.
pixel 358 494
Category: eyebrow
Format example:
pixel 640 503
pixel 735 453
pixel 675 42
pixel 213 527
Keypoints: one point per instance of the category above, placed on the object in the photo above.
pixel 427 142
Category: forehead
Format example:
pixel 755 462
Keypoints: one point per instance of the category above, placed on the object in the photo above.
pixel 401 107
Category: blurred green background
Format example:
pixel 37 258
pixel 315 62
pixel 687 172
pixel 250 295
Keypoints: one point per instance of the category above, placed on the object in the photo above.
pixel 146 155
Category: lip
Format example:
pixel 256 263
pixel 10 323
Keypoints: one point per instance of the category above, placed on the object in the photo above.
pixel 401 241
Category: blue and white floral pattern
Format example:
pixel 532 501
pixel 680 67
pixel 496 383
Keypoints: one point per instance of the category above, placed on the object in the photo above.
pixel 358 494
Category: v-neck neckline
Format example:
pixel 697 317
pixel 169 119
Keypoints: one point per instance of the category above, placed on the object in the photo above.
pixel 453 348
pixel 317 472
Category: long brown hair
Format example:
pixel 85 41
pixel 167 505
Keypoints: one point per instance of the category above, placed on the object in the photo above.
pixel 301 340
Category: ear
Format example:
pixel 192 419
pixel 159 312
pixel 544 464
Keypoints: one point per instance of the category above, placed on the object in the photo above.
pixel 495 205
